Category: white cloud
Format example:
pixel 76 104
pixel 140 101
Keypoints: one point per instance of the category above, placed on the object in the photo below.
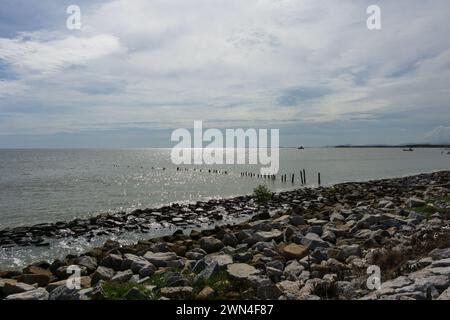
pixel 229 61
pixel 32 54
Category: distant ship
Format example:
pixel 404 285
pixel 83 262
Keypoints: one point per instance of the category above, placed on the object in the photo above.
pixel 300 148
pixel 410 149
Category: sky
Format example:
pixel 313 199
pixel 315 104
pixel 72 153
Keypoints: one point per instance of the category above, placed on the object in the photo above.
pixel 138 69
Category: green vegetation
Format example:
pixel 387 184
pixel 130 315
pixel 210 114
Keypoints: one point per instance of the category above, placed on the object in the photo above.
pixel 117 291
pixel 262 194
pixel 428 210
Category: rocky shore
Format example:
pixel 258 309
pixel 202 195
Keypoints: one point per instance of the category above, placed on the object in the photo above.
pixel 322 243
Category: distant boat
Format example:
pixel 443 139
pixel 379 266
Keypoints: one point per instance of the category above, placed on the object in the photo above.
pixel 301 148
pixel 410 149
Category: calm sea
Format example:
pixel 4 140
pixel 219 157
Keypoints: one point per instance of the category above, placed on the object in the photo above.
pixel 39 186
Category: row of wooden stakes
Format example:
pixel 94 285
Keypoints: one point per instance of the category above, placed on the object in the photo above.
pixel 284 178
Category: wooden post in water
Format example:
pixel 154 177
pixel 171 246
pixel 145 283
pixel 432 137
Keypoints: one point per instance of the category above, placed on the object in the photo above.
pixel 292 179
pixel 301 177
pixel 304 176
pixel 318 178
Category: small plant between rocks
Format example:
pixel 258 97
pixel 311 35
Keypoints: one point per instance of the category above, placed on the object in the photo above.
pixel 262 195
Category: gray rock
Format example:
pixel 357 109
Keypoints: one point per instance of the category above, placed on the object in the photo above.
pixel 138 264
pixel 122 276
pixel 313 241
pixel 221 259
pixel 113 261
pixel 177 292
pixel 135 294
pixel 445 295
pixel 87 261
pixel 274 274
pixel 36 294
pixel 147 271
pixel 441 263
pixel 64 293
pixel 277 264
pixel 241 271
pixel 16 287
pixel 336 217
pixel 329 236
pixel 211 270
pixel 130 259
pixel 160 259
pixel 210 244
pixel 296 220
pixel 415 202
pixel 439 254
pixel 266 236
pixel 242 257
pixel 102 273
pixel 317 229
pixel 230 239
pixel 268 292
pixel 175 279
pixel 294 268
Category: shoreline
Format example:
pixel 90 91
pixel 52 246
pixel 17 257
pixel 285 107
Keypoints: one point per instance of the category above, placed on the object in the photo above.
pixel 115 223
pixel 305 244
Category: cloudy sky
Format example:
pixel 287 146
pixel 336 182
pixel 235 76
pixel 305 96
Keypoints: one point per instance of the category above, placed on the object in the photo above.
pixel 137 69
